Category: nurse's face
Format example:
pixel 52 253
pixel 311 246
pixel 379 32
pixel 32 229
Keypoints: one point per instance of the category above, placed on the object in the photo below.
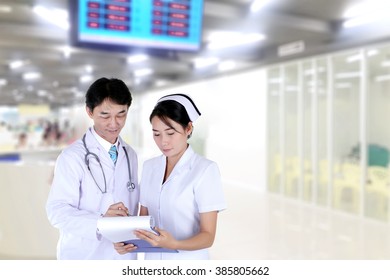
pixel 172 141
pixel 109 119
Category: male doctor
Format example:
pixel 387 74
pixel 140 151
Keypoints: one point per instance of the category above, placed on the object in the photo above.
pixel 95 176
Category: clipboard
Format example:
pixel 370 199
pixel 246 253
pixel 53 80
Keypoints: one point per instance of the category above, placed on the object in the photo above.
pixel 121 229
pixel 145 247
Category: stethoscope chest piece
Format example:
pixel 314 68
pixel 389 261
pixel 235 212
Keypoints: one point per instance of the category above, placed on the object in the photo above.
pixel 130 186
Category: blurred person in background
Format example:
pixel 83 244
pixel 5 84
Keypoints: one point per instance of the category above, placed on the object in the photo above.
pixel 180 189
pixel 51 134
pixel 95 176
pixel 67 133
pixel 3 126
pixel 22 142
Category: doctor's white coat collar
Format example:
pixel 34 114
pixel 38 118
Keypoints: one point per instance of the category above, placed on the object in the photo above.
pixel 105 144
pixel 94 146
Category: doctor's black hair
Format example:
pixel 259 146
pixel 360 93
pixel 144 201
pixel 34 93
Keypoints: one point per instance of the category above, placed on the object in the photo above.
pixel 114 89
pixel 172 110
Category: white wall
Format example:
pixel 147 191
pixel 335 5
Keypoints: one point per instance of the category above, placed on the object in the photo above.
pixel 232 125
pixel 25 232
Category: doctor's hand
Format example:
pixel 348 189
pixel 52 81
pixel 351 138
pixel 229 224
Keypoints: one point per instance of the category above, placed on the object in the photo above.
pixel 164 239
pixel 117 209
pixel 122 249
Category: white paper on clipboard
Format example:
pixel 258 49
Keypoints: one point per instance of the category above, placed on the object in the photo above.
pixel 119 229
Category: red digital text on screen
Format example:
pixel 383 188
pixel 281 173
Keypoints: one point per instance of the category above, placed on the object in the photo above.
pixel 116 17
pixel 178 15
pixel 178 6
pixel 157 13
pixel 117 8
pixel 158 3
pixel 177 33
pixel 157 31
pixel 178 24
pixel 116 27
pixel 93 25
pixel 157 22
pixel 93 15
pixel 93 5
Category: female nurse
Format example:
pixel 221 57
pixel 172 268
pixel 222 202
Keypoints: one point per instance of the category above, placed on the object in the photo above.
pixel 180 189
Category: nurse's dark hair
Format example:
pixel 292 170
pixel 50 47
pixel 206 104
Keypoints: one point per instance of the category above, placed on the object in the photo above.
pixel 114 89
pixel 170 109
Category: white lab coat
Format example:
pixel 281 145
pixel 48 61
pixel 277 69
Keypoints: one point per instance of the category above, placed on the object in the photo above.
pixel 75 203
pixel 193 187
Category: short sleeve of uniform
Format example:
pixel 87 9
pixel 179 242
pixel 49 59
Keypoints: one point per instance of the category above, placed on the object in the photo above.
pixel 146 177
pixel 209 191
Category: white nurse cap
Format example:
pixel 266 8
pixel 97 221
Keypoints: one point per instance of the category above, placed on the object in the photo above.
pixel 186 101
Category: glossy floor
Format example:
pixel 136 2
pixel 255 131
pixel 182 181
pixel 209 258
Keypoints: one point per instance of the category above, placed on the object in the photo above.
pixel 259 225
pixel 263 226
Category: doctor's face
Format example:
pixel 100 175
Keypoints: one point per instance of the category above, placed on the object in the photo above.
pixel 109 118
pixel 171 140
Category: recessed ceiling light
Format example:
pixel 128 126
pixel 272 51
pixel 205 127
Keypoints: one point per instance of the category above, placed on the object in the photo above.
pixel 89 68
pixel 161 83
pixel 67 51
pixel 143 72
pixel 372 52
pixel 55 16
pixel 31 75
pixel 137 58
pixel 86 78
pixel 3 82
pixel 42 93
pixel 203 62
pixel 257 5
pixel 365 13
pixel 16 64
pixel 226 65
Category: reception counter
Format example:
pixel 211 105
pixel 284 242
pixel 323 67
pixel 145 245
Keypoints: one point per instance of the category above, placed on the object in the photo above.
pixel 25 232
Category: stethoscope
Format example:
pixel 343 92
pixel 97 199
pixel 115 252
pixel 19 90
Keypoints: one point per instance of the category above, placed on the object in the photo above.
pixel 130 185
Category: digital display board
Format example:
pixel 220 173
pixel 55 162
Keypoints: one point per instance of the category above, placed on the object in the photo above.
pixel 157 24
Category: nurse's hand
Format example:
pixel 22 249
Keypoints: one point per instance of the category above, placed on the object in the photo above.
pixel 164 239
pixel 122 249
pixel 117 209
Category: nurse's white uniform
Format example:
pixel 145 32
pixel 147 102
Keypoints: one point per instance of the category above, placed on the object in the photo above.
pixel 75 203
pixel 193 187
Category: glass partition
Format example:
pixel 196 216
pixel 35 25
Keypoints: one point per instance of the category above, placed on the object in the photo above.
pixel 346 120
pixel 274 128
pixel 292 159
pixel 322 189
pixel 307 128
pixel 377 188
pixel 328 135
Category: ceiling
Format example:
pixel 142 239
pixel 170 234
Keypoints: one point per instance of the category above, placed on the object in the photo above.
pixel 40 45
